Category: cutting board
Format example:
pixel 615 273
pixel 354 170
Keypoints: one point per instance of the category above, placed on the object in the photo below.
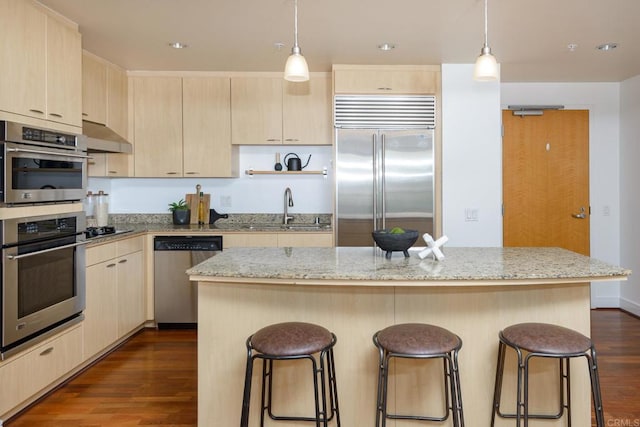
pixel 192 201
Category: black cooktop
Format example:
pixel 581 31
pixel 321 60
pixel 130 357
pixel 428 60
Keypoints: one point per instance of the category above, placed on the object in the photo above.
pixel 99 231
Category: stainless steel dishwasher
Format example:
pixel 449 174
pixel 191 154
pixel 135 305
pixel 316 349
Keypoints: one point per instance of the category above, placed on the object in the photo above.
pixel 176 299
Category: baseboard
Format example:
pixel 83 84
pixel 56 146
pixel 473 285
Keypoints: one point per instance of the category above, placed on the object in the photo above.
pixel 605 302
pixel 630 306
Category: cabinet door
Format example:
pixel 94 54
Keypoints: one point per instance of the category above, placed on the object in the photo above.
pixel 130 293
pixel 306 112
pixel 157 110
pixel 381 81
pixel 305 240
pixel 64 74
pixel 256 110
pixel 207 148
pixel 94 90
pixel 100 314
pixel 117 100
pixel 22 38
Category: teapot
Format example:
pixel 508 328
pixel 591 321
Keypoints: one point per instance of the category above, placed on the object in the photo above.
pixel 294 163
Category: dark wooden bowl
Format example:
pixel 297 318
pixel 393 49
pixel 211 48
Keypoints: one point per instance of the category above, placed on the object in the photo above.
pixel 395 242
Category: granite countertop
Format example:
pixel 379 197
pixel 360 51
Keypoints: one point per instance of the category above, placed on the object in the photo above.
pixel 462 266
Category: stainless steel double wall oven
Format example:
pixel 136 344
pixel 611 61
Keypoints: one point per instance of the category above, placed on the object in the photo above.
pixel 43 256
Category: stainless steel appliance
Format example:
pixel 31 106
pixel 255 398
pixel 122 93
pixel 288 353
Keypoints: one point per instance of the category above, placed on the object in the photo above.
pixel 41 165
pixel 176 299
pixel 384 165
pixel 43 277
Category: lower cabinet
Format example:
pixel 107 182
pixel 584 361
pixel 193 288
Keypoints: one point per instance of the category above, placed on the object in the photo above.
pixel 305 239
pixel 30 372
pixel 288 239
pixel 115 293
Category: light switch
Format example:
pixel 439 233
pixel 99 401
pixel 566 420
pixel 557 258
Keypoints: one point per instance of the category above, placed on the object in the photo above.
pixel 225 201
pixel 471 214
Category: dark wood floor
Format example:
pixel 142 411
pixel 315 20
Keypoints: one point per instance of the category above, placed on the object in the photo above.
pixel 151 381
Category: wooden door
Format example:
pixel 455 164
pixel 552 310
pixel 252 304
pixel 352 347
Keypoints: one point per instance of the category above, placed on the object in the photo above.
pixel 306 112
pixel 546 179
pixel 256 110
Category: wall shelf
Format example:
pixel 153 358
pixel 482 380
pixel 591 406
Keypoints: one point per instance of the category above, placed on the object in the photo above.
pixel 303 172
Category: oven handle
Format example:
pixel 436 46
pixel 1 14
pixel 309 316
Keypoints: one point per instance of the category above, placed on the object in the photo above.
pixel 72 245
pixel 25 150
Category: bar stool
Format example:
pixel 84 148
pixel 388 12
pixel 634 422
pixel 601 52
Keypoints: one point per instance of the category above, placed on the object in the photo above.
pixel 420 341
pixel 544 340
pixel 293 341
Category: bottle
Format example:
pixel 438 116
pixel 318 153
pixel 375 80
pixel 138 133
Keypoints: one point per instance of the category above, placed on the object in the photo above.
pixel 90 210
pixel 200 209
pixel 102 209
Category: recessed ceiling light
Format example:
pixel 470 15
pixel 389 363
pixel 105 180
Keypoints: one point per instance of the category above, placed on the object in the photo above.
pixel 386 46
pixel 178 45
pixel 607 47
pixel 571 47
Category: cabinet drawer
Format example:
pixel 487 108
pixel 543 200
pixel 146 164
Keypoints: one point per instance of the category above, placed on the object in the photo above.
pixel 101 253
pixel 28 373
pixel 129 246
pixel 323 240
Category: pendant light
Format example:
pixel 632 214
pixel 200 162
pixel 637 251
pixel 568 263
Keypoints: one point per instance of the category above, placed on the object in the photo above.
pixel 486 68
pixel 296 69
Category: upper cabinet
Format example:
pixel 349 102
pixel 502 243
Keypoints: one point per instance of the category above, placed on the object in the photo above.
pixel 206 128
pixel 380 79
pixel 269 111
pixel 94 89
pixel 44 53
pixel 157 127
pixel 182 127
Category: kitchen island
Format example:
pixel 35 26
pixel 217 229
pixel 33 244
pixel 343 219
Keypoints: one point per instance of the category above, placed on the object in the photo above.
pixel 474 292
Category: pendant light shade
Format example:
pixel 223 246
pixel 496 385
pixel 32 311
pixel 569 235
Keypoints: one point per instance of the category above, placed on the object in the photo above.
pixel 486 68
pixel 296 68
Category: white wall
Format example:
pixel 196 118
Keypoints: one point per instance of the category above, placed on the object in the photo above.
pixel 603 102
pixel 471 157
pixel 257 194
pixel 630 195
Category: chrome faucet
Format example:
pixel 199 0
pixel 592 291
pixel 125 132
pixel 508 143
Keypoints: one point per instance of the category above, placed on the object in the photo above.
pixel 288 202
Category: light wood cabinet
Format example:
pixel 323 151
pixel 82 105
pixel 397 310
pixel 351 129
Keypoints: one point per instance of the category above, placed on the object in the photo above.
pixel 104 101
pixel 43 78
pixel 26 374
pixel 306 112
pixel 206 115
pixel 114 294
pixel 23 79
pixel 270 111
pixel 305 240
pixel 94 89
pixel 349 79
pixel 64 74
pixel 256 110
pixel 157 104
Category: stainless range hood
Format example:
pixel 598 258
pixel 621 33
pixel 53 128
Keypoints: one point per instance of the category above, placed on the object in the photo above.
pixel 101 139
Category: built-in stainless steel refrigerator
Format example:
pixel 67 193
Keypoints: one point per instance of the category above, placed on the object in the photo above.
pixel 384 175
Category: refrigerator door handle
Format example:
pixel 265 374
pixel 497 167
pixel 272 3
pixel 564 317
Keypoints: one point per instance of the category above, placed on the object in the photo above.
pixel 375 182
pixel 382 182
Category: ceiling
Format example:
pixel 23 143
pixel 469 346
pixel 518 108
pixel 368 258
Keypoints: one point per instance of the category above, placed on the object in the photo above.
pixel 529 38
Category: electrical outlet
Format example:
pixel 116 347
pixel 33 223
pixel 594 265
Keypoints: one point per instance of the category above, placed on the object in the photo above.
pixel 225 201
pixel 606 211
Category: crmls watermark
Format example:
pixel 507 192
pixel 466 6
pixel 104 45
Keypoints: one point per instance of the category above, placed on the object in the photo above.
pixel 623 422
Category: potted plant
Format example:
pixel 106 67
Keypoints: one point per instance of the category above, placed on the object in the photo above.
pixel 181 212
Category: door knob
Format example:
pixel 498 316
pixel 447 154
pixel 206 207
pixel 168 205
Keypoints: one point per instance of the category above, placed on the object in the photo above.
pixel 581 215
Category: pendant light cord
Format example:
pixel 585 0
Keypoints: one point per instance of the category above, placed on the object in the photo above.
pixel 295 23
pixel 486 23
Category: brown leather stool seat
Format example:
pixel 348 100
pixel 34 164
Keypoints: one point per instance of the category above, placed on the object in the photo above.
pixel 291 341
pixel 419 341
pixel 545 340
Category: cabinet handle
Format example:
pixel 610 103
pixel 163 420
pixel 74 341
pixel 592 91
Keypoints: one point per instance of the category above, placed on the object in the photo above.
pixel 56 115
pixel 84 114
pixel 113 171
pixel 273 139
pixel 192 173
pixel 110 265
pixel 172 173
pixel 292 139
pixel 385 88
pixel 46 351
pixel 36 111
pixel 122 261
pixel 91 162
